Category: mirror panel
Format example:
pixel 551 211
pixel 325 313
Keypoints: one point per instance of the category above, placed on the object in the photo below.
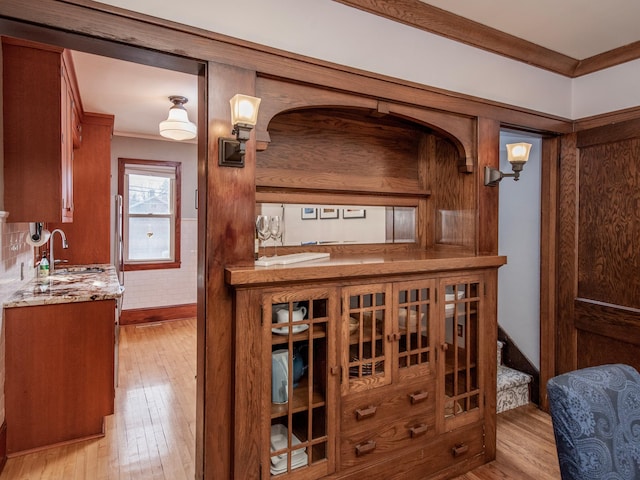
pixel 305 224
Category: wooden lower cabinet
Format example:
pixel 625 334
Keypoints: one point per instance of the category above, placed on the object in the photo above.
pixel 366 380
pixel 59 372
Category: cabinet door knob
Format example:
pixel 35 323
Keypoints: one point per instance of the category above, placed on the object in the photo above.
pixel 418 397
pixel 393 337
pixel 445 347
pixel 362 413
pixel 335 370
pixel 365 448
pixel 459 449
pixel 418 430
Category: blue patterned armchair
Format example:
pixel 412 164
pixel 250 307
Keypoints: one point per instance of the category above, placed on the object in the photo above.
pixel 596 422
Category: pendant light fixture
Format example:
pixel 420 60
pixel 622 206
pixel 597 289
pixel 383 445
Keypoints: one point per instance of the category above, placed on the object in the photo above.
pixel 177 126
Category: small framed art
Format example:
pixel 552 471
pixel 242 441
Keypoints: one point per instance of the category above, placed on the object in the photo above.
pixel 329 213
pixel 309 213
pixel 354 213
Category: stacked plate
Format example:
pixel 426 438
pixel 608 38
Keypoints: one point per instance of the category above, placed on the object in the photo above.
pixel 279 442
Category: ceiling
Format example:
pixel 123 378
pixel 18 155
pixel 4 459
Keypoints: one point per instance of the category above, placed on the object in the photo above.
pixel 138 95
pixel 576 28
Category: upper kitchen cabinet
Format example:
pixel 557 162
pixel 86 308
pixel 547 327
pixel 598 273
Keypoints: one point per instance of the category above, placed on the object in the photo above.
pixel 41 117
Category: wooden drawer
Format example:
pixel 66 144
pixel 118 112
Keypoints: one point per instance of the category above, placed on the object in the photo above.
pixel 366 412
pixel 359 447
pixel 428 459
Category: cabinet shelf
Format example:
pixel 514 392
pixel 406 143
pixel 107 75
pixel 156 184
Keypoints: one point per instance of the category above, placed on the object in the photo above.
pixel 318 331
pixel 299 402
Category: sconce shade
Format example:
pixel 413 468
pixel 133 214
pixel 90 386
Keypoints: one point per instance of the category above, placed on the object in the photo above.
pixel 518 152
pixel 244 110
pixel 177 125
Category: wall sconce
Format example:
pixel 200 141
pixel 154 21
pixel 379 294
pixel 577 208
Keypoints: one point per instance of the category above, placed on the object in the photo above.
pixel 517 154
pixel 177 126
pixel 244 115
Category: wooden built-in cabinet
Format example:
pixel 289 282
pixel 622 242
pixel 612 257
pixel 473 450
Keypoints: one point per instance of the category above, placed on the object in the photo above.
pixel 41 123
pixel 365 376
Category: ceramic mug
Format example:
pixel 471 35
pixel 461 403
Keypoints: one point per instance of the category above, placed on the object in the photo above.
pixel 296 315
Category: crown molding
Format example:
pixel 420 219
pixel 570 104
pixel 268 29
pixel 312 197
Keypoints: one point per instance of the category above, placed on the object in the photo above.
pixel 434 20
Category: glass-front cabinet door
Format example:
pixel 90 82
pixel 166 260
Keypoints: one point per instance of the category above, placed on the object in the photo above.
pixel 366 343
pixel 300 387
pixel 461 328
pixel 413 335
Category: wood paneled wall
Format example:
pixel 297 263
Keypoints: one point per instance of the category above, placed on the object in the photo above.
pixel 598 249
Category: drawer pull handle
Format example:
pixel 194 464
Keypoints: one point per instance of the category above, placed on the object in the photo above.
pixel 365 448
pixel 459 449
pixel 418 397
pixel 418 430
pixel 362 413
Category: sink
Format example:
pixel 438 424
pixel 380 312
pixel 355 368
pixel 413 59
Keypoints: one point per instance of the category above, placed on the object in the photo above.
pixel 77 270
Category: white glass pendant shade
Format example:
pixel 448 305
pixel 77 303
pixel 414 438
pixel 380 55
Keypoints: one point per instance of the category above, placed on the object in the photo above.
pixel 177 125
pixel 518 152
pixel 244 109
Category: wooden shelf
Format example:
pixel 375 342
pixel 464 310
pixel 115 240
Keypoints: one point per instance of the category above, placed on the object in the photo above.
pixel 299 402
pixel 319 331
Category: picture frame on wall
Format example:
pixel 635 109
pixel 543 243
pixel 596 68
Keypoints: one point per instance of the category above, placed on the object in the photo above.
pixel 329 212
pixel 309 213
pixel 354 213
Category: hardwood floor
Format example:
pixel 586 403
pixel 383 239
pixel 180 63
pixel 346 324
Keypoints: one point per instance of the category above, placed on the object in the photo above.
pixel 152 434
pixel 526 449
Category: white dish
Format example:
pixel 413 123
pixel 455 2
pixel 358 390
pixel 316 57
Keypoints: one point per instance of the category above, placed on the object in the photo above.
pixel 297 461
pixel 294 329
pixel 279 442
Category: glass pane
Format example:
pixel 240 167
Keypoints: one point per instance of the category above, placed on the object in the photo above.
pixel 413 318
pixel 149 194
pixel 461 337
pixel 299 351
pixel 149 239
pixel 366 329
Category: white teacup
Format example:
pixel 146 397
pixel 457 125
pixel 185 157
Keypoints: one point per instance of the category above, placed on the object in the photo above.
pixel 296 315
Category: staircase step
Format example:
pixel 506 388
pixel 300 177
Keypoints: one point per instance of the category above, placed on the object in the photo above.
pixel 513 388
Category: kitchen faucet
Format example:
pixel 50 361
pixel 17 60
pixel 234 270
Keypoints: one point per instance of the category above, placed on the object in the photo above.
pixel 52 261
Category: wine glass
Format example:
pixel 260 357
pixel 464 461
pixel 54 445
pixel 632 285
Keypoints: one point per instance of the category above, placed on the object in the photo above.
pixel 262 228
pixel 275 228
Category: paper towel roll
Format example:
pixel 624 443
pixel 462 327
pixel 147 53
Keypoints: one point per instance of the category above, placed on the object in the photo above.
pixel 37 235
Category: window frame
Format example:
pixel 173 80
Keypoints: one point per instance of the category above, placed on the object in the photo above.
pixel 156 264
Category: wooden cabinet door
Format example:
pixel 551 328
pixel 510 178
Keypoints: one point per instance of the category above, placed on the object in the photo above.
pixel 366 347
pixel 67 122
pixel 461 345
pixel 413 335
pixel 38 143
pixel 300 384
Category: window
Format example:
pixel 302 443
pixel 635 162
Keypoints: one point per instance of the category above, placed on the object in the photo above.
pixel 151 213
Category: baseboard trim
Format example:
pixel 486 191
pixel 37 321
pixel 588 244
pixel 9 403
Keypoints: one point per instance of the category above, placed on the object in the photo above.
pixel 136 316
pixel 3 446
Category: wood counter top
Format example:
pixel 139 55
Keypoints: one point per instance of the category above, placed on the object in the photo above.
pixel 360 266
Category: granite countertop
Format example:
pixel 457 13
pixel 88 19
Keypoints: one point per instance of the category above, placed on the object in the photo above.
pixel 68 284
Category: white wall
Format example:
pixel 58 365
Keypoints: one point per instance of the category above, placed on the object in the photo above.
pixel 519 240
pixel 157 288
pixel 331 31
